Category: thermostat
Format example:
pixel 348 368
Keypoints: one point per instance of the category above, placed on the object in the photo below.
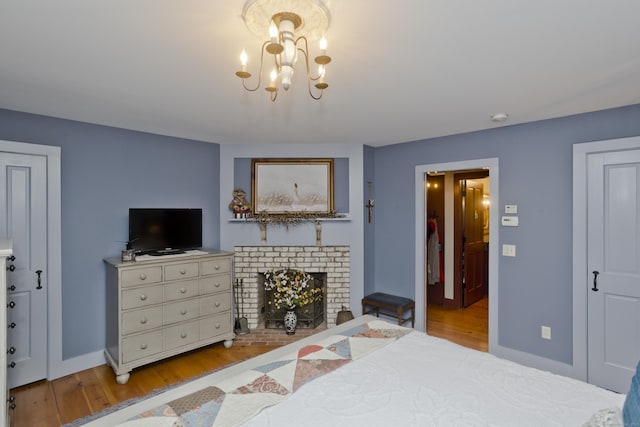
pixel 510 221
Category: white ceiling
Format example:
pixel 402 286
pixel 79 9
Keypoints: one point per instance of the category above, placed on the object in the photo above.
pixel 402 70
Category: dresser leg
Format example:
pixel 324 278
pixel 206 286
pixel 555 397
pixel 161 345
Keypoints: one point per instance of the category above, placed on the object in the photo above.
pixel 228 343
pixel 123 378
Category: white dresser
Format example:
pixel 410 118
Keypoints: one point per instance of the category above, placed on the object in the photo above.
pixel 165 306
pixel 5 398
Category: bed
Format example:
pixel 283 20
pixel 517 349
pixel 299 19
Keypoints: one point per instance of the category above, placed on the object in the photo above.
pixel 368 372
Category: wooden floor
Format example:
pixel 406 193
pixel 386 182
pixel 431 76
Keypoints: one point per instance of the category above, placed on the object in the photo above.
pixel 54 403
pixel 466 326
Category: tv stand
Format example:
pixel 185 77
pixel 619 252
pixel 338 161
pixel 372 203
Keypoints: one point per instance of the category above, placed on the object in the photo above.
pixel 161 307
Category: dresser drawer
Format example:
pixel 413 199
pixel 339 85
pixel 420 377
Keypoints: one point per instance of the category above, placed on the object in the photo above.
pixel 211 284
pixel 215 325
pixel 141 297
pixel 181 335
pixel 180 311
pixel 215 266
pixel 181 271
pixel 139 346
pixel 215 304
pixel 141 320
pixel 140 276
pixel 180 290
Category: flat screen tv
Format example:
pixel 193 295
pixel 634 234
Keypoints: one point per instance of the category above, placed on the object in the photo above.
pixel 164 231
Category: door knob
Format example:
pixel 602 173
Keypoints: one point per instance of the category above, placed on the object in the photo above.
pixel 12 258
pixel 595 281
pixel 11 268
pixel 12 288
pixel 11 304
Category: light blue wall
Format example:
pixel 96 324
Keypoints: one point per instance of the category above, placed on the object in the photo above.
pixel 535 174
pixel 105 171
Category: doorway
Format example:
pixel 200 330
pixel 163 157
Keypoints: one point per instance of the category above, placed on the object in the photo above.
pixel 422 210
pixel 458 204
pixel 51 277
pixel 606 262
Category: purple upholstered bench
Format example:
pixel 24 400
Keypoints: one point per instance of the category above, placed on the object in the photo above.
pixel 390 303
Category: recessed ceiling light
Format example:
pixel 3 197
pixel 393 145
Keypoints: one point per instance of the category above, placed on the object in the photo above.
pixel 499 117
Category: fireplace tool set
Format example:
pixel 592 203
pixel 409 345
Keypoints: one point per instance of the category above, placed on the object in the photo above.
pixel 241 323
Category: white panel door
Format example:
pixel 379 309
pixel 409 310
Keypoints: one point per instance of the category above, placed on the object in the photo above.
pixel 613 260
pixel 23 207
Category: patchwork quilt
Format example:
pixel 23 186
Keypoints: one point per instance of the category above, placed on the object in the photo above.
pixel 233 401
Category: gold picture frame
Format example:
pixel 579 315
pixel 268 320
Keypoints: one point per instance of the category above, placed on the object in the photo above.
pixel 286 186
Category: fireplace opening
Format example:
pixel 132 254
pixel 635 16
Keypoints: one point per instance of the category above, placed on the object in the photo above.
pixel 309 316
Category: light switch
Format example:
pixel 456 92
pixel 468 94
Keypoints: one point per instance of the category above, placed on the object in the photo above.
pixel 509 250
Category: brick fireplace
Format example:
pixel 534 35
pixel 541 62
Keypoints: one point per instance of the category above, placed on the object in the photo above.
pixel 251 262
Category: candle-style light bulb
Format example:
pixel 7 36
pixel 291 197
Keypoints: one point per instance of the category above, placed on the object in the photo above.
pixel 273 32
pixel 243 60
pixel 323 45
pixel 274 76
pixel 321 71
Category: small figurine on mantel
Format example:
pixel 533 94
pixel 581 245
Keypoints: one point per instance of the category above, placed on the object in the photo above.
pixel 239 205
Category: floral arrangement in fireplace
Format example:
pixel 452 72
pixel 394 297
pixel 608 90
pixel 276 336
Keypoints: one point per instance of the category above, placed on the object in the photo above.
pixel 291 288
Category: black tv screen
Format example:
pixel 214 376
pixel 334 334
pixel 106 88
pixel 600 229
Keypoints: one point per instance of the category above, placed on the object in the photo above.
pixel 164 230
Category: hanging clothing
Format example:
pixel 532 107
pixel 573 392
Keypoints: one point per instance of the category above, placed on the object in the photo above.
pixel 433 252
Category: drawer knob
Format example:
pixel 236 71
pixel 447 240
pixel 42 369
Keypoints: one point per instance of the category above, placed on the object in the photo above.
pixel 217 267
pixel 183 290
pixel 217 325
pixel 183 335
pixel 183 271
pixel 143 346
pixel 217 304
pixel 143 297
pixel 217 285
pixel 183 311
pixel 143 320
pixel 143 276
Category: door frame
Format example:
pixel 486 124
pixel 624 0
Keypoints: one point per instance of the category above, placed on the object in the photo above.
pixel 54 248
pixel 581 278
pixel 421 209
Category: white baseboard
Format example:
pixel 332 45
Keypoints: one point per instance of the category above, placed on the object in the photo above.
pixel 79 363
pixel 534 361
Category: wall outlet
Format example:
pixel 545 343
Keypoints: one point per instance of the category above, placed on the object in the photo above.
pixel 545 332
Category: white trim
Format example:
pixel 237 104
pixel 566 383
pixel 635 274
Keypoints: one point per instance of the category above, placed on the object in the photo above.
pixel 580 274
pixel 420 215
pixel 80 363
pixel 54 247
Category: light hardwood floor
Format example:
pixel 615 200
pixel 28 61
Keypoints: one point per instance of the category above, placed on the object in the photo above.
pixel 54 403
pixel 466 326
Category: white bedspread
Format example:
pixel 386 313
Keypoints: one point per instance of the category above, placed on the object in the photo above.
pixel 425 381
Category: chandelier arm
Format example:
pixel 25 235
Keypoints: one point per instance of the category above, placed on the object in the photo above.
pixel 259 72
pixel 310 78
pixel 305 52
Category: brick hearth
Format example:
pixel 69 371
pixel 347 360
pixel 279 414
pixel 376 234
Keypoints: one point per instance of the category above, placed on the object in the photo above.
pixel 275 337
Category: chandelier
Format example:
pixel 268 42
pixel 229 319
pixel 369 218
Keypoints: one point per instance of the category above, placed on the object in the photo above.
pixel 282 20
